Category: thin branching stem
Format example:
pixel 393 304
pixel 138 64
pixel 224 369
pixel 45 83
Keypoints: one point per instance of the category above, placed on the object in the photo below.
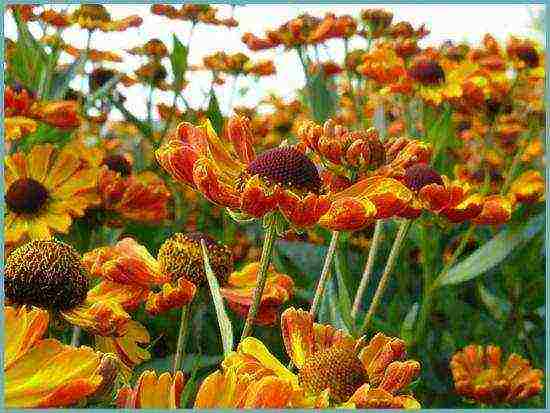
pixel 182 339
pixel 325 274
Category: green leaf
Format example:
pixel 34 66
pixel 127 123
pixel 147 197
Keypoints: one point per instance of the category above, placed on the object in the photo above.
pixel 214 113
pixel 45 134
pixel 226 330
pixel 61 83
pixel 492 253
pixel 407 327
pixel 28 64
pixel 178 59
pixel 497 306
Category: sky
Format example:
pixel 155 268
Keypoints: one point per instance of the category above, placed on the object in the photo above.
pixel 466 22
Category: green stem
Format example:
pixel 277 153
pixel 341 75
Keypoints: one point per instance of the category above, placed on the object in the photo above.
pixel 390 264
pixel 182 339
pixel 429 290
pixel 75 339
pixel 378 229
pixel 267 252
pixel 325 274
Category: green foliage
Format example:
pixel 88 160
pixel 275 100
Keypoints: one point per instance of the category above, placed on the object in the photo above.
pixel 178 59
pixel 214 113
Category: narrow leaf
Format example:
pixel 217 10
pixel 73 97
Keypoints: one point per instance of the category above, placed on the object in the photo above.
pixel 226 330
pixel 61 83
pixel 344 300
pixel 407 326
pixel 492 253
pixel 178 59
pixel 497 306
pixel 214 113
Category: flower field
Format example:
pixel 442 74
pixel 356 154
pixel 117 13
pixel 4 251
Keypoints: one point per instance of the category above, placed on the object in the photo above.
pixel 375 240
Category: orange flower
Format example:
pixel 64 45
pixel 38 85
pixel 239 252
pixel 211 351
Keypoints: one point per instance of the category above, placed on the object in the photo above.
pixel 152 392
pixel 56 19
pixel 154 48
pixel 240 287
pixel 44 372
pixel 260 68
pixel 382 65
pixel 333 370
pixel 141 197
pixel 62 114
pixel 528 188
pixel 17 127
pixel 17 101
pixel 497 209
pixel 378 21
pixel 333 27
pixel 479 375
pixel 96 17
pixel 130 275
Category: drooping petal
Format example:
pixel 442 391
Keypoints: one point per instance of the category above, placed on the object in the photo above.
pixel 257 199
pixel 240 287
pixel 178 159
pixel 52 375
pixel 269 392
pixel 379 353
pixel 303 212
pixel 240 135
pixel 210 185
pixel 129 296
pixel 170 297
pixel 23 328
pixel 152 392
pixel 497 209
pixel 399 375
pixel 104 318
pixel 348 214
pixel 298 335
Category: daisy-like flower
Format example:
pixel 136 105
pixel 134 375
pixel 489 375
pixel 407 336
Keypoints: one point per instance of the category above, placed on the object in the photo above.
pixel 479 374
pixel 96 17
pixel 239 291
pixel 45 190
pixel 334 370
pixel 154 49
pixel 45 373
pixel 152 392
pixel 230 174
pixel 50 274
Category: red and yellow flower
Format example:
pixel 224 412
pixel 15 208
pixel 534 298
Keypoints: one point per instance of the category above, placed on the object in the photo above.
pixel 42 372
pixel 239 290
pixel 479 374
pixel 333 370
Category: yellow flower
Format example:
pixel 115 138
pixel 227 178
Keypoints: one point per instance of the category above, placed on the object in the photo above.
pixel 333 370
pixel 44 372
pixel 45 189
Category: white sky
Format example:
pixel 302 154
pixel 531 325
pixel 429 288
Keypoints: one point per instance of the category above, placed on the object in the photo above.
pixel 456 22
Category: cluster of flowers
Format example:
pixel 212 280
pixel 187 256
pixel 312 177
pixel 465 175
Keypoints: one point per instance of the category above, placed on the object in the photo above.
pixel 341 174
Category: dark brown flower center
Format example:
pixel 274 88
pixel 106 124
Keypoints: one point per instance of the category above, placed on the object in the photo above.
pixel 337 369
pixel 118 163
pixel 99 78
pixel 529 55
pixel 26 196
pixel 287 166
pixel 427 72
pixel 420 175
pixel 47 274
pixel 181 256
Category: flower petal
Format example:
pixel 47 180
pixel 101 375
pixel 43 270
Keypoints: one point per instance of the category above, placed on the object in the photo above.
pixel 298 335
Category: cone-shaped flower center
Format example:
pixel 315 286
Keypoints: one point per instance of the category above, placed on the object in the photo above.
pixel 181 256
pixel 420 175
pixel 529 55
pixel 47 274
pixel 337 369
pixel 427 72
pixel 26 196
pixel 118 163
pixel 287 166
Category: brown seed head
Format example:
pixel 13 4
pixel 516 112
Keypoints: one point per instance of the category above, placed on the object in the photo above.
pixel 26 196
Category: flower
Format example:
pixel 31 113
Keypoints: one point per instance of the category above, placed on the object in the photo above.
pixel 240 287
pixel 528 188
pixel 154 48
pixel 479 374
pixel 333 370
pixel 228 173
pixel 130 275
pixel 96 17
pixel 45 189
pixel 152 392
pixel 50 274
pixel 44 372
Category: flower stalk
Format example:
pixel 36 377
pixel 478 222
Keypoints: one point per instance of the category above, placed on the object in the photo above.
pixel 182 339
pixel 390 265
pixel 377 236
pixel 267 252
pixel 325 274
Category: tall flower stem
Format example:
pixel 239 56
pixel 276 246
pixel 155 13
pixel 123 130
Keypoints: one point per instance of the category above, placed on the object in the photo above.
pixel 75 339
pixel 267 252
pixel 325 274
pixel 390 265
pixel 378 229
pixel 182 339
